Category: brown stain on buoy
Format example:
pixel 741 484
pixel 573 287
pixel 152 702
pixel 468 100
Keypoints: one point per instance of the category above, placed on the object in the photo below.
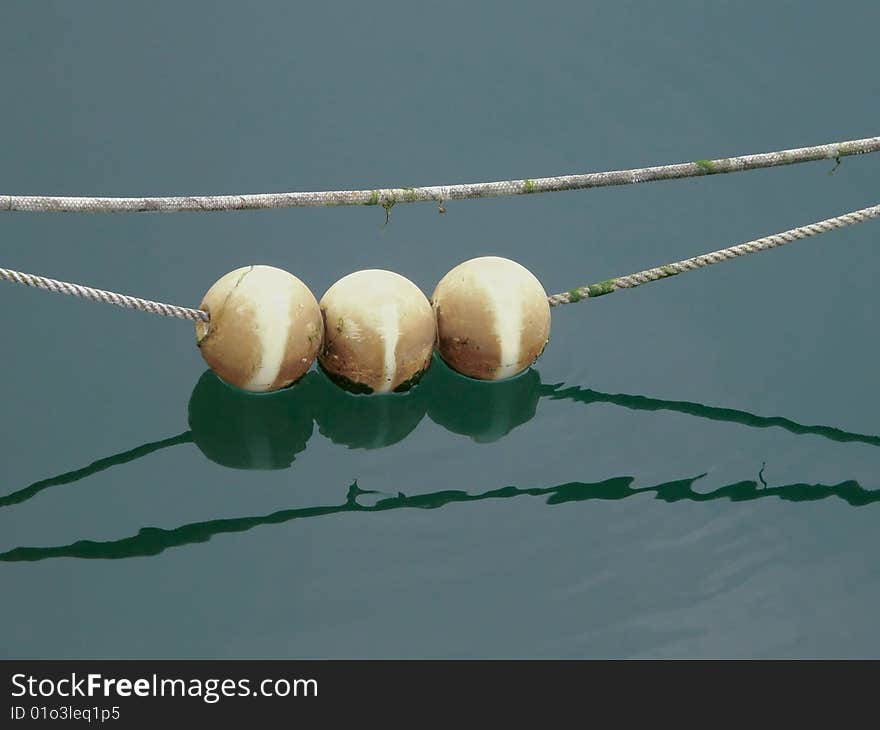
pixel 230 344
pixel 352 350
pixel 469 342
pixel 305 337
pixel 535 330
pixel 415 346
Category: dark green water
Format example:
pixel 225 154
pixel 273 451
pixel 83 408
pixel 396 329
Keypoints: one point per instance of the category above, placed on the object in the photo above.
pixel 691 469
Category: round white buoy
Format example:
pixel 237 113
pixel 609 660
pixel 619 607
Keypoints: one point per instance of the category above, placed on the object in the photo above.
pixel 378 332
pixel 493 318
pixel 265 328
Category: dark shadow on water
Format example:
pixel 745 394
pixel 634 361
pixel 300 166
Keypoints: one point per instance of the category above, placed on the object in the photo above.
pixel 712 413
pixel 485 412
pixel 364 421
pixel 245 431
pixel 154 540
pixel 96 466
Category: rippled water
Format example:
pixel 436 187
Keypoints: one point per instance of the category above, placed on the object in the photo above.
pixel 690 469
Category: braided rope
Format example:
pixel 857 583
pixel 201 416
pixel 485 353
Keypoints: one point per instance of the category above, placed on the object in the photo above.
pixel 99 295
pixel 575 295
pixel 388 197
pixel 715 257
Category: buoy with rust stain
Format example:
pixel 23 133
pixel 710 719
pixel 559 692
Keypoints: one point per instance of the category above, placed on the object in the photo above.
pixel 378 332
pixel 265 328
pixel 493 318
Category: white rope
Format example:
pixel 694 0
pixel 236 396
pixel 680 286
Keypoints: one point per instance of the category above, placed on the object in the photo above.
pixel 388 197
pixel 99 295
pixel 569 297
pixel 715 257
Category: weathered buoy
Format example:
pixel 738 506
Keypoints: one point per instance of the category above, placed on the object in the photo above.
pixel 493 318
pixel 378 332
pixel 265 328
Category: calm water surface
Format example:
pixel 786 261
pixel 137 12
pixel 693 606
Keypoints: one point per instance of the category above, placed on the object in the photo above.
pixel 690 470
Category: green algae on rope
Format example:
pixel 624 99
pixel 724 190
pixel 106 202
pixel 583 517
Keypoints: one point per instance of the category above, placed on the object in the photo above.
pixel 629 281
pixel 437 193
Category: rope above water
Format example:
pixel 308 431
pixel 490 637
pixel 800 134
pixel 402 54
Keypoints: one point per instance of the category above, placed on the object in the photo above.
pixel 99 295
pixel 574 295
pixel 388 197
pixel 715 257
